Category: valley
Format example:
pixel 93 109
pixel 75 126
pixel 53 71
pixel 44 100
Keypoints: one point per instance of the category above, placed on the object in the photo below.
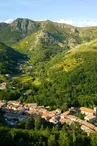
pixel 56 63
pixel 44 64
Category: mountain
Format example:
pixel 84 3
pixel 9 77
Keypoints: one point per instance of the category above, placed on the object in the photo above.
pixel 51 39
pixel 20 28
pixel 48 32
pixel 9 59
pixel 17 30
pixel 62 64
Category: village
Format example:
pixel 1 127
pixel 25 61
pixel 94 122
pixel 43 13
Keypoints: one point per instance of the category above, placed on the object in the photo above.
pixel 15 112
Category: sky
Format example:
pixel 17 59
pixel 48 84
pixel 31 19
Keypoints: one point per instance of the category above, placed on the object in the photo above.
pixel 74 12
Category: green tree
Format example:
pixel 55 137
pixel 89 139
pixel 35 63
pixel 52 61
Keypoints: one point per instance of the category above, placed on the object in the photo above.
pixel 51 140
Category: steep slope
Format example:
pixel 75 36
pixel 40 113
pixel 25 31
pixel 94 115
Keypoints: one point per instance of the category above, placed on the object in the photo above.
pixel 40 46
pixel 9 59
pixel 50 35
pixel 69 77
pixel 50 39
pixel 88 33
pixel 73 79
pixel 17 30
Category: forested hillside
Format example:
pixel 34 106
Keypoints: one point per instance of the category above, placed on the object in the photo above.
pixel 72 80
pixel 9 59
pixel 61 65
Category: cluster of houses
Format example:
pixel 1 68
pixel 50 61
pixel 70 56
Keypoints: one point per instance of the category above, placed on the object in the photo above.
pixel 16 112
pixel 21 67
pixel 87 125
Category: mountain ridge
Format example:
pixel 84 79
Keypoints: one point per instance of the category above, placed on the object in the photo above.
pixel 21 28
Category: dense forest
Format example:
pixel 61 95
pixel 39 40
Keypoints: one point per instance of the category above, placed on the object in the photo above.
pixel 9 59
pixel 40 133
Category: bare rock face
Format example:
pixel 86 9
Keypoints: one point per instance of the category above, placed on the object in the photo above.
pixel 25 26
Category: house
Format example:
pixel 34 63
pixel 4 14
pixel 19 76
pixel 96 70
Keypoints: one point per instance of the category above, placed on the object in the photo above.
pixel 20 110
pixel 30 106
pixel 13 102
pixel 57 117
pixel 95 111
pixel 73 110
pixel 79 121
pixel 68 119
pixel 91 126
pixel 33 112
pixel 58 111
pixel 42 110
pixel 46 116
pixel 86 111
pixel 8 76
pixel 54 112
pixel 2 104
pixel 72 118
pixel 91 118
pixel 26 106
pixel 65 121
pixel 41 107
pixel 95 128
pixel 47 107
pixel 13 107
pixel 53 120
pixel 65 114
pixel 87 129
pixel 9 106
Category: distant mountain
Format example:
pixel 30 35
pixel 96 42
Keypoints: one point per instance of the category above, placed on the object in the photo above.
pixel 20 28
pixel 50 38
pixel 17 30
pixel 9 59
